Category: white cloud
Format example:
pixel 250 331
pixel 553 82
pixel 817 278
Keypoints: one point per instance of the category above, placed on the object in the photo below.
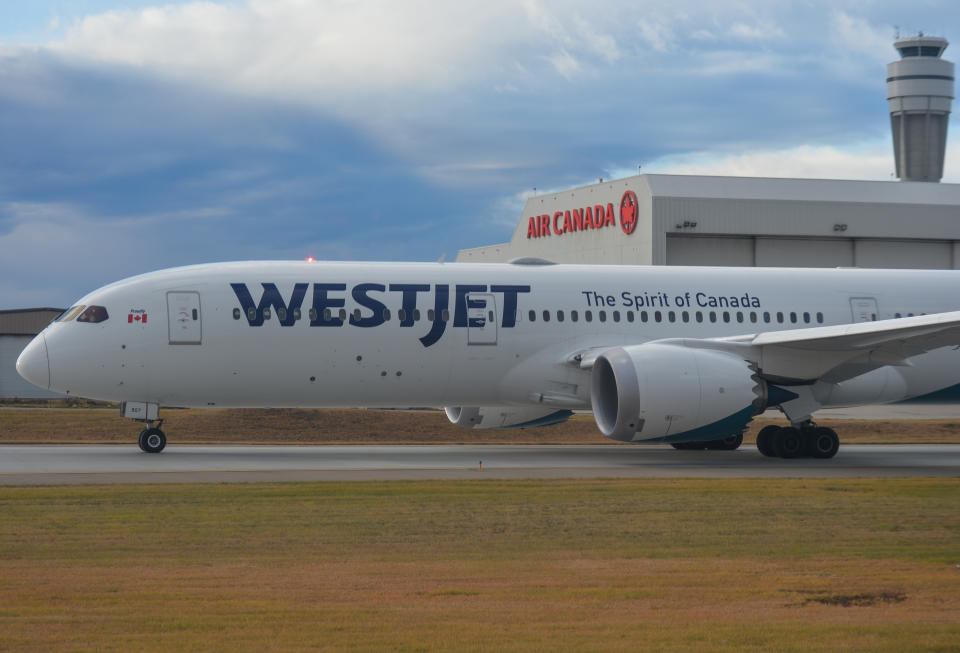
pixel 763 30
pixel 854 34
pixel 806 161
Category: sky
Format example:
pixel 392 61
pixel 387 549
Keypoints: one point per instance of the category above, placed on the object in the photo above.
pixel 140 135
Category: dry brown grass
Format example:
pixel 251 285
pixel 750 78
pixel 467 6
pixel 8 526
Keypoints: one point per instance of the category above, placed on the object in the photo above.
pixel 356 426
pixel 601 565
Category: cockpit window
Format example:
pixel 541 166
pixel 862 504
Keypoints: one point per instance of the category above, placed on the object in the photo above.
pixel 70 313
pixel 93 314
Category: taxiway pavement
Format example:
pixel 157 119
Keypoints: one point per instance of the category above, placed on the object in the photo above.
pixel 87 464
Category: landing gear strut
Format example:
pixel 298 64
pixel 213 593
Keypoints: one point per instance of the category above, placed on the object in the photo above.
pixel 803 440
pixel 152 439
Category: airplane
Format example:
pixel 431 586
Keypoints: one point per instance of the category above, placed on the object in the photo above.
pixel 681 355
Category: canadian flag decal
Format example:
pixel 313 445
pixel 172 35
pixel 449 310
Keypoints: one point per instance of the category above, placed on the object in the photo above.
pixel 140 317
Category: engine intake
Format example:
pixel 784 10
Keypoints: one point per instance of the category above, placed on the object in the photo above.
pixel 673 393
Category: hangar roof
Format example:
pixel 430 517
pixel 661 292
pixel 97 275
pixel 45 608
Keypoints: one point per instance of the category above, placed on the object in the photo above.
pixel 26 321
pixel 823 190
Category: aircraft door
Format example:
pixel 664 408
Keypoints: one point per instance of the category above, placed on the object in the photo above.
pixel 481 318
pixel 183 317
pixel 864 309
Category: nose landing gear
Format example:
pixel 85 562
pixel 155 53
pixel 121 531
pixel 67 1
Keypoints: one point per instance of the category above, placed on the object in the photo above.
pixel 152 439
pixel 805 440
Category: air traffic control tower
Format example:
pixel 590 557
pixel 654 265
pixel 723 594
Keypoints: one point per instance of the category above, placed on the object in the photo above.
pixel 920 91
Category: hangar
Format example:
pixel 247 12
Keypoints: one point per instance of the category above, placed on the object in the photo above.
pixel 17 328
pixel 702 220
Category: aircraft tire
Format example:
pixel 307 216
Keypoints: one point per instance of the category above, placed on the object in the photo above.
pixel 823 442
pixel 728 444
pixel 788 443
pixel 765 438
pixel 152 440
pixel 679 445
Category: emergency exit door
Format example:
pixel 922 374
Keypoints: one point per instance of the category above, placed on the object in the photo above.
pixel 183 317
pixel 864 309
pixel 481 318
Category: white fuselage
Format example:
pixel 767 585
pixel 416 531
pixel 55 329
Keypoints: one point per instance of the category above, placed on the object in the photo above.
pixel 443 334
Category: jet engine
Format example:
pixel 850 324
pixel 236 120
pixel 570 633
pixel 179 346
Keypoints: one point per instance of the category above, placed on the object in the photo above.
pixel 505 417
pixel 673 393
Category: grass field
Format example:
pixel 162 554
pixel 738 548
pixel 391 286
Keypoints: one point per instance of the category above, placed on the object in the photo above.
pixel 341 426
pixel 673 565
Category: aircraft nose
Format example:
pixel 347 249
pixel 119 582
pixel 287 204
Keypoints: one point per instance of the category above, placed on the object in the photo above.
pixel 33 364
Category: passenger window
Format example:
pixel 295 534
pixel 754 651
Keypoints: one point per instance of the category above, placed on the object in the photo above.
pixel 401 314
pixel 643 316
pixel 588 316
pixel 603 316
pixel 820 318
pixel 312 313
pixel 356 315
pixel 671 316
pixel 490 315
pixel 713 316
pixel 236 313
pixel 657 316
pixel 386 315
pixel 532 315
pixel 739 316
pixel 753 316
pixel 766 317
pixel 416 314
pixel 430 315
pixel 630 316
pixel 266 313
pixel 806 317
pixel 559 316
pixel 779 317
pixel 445 313
pixel 281 314
pixel 726 316
pixel 793 317
pixel 616 316
pixel 574 316
pixel 896 315
pixel 343 314
pixel 296 314
pixel 699 316
pixel 546 316
pixel 686 316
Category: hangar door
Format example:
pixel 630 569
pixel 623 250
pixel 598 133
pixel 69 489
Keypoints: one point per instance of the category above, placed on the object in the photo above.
pixel 705 250
pixel 805 252
pixel 878 253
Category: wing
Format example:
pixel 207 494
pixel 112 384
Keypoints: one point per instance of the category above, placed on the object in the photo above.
pixel 830 353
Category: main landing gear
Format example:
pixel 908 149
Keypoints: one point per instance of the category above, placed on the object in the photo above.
pixel 726 444
pixel 804 440
pixel 152 439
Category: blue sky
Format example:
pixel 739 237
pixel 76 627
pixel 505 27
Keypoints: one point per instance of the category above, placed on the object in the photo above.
pixel 140 135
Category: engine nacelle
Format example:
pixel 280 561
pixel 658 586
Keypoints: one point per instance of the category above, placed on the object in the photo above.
pixel 673 393
pixel 505 417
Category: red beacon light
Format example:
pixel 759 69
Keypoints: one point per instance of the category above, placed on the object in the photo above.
pixel 310 259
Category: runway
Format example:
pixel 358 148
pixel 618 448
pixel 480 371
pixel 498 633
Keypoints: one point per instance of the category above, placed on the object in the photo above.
pixel 79 464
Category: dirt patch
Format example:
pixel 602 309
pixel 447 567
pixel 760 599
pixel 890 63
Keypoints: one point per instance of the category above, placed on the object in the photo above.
pixel 863 599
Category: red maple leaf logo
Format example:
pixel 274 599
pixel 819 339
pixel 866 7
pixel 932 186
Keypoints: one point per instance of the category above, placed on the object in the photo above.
pixel 628 212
